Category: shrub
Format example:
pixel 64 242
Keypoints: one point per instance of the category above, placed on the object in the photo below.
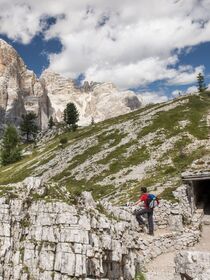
pixel 63 141
pixel 140 276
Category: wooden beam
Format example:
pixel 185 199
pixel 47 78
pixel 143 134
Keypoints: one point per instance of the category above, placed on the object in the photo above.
pixel 196 177
pixel 184 276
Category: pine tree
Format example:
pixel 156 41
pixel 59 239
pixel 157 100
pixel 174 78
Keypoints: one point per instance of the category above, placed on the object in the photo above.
pixel 29 127
pixel 10 151
pixel 71 116
pixel 201 83
pixel 2 114
pixel 51 123
pixel 92 121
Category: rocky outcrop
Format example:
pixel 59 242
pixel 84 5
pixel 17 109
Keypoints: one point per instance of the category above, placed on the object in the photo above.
pixel 192 265
pixel 41 239
pixel 94 101
pixel 21 91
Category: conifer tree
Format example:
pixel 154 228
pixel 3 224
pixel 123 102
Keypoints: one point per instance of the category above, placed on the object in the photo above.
pixel 201 83
pixel 29 127
pixel 10 151
pixel 71 116
pixel 51 123
pixel 92 121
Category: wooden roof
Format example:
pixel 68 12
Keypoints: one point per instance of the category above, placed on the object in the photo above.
pixel 196 177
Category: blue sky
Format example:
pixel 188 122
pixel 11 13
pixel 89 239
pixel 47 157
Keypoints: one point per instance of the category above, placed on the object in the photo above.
pixel 156 49
pixel 35 53
pixel 195 56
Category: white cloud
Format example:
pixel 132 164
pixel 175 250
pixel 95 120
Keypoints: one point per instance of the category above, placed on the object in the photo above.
pixel 189 90
pixel 185 75
pixel 152 97
pixel 129 44
pixel 192 89
pixel 176 93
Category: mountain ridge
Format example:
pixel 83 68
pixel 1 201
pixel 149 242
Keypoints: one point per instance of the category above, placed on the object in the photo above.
pixel 21 92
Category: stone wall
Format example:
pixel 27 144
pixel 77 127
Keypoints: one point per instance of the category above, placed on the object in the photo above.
pixel 54 240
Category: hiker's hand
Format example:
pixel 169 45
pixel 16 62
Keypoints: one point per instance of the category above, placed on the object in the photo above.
pixel 129 204
pixel 139 203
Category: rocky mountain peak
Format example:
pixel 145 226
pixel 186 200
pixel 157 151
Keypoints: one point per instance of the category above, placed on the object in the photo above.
pixel 21 91
pixel 4 46
pixel 9 58
pixel 57 84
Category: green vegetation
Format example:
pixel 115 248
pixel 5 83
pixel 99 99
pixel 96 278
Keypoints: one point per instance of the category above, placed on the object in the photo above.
pixel 193 111
pixel 103 211
pixel 26 270
pixel 201 83
pixel 29 127
pixel 76 187
pixel 116 154
pixel 112 139
pixel 18 171
pixel 46 160
pixel 64 140
pixel 7 192
pixel 140 276
pixel 118 160
pixel 71 116
pixel 25 222
pixel 54 193
pixel 181 161
pixel 10 151
pixel 51 123
pixel 167 194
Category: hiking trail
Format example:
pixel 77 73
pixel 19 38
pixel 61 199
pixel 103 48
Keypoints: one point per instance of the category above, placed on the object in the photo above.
pixel 163 267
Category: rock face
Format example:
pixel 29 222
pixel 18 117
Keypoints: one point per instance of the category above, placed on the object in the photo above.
pixel 94 101
pixel 192 265
pixel 21 91
pixel 52 240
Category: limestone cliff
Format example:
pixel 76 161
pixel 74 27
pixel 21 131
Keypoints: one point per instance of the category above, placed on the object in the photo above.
pixel 21 91
pixel 53 240
pixel 97 101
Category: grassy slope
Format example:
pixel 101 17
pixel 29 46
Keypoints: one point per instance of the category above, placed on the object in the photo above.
pixel 109 138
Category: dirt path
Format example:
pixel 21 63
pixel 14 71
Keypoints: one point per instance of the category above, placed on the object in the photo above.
pixel 163 268
pixel 204 244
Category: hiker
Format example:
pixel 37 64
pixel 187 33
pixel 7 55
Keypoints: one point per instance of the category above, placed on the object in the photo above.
pixel 148 202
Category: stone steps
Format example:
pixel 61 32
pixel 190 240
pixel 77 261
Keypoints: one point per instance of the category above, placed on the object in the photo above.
pixel 163 267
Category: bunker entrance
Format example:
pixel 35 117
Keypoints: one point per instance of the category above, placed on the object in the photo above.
pixel 201 190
